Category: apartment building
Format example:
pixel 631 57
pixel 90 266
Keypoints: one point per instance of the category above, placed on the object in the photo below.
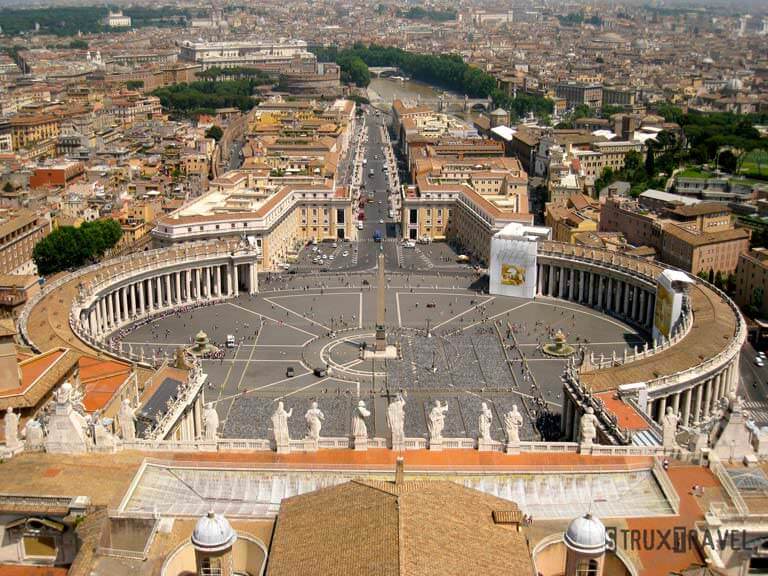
pixel 695 237
pixel 467 200
pixel 279 222
pixel 27 130
pixel 579 214
pixel 751 281
pixel 61 174
pixel 269 56
pixel 578 93
pixel 19 232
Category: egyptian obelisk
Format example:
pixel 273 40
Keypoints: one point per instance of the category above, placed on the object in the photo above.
pixel 381 334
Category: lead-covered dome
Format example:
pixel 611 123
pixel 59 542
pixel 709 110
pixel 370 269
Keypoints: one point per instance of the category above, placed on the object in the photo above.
pixel 586 534
pixel 213 533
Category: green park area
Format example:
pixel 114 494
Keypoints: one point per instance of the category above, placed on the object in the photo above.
pixel 755 164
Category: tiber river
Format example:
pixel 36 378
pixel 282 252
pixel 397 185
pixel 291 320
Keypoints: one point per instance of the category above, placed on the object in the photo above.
pixel 383 91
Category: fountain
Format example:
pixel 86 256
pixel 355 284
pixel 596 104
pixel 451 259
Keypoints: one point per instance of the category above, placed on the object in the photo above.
pixel 202 345
pixel 559 347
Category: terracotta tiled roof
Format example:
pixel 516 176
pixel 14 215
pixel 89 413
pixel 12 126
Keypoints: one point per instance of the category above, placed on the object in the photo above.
pixel 101 379
pixel 626 416
pixel 40 375
pixel 386 529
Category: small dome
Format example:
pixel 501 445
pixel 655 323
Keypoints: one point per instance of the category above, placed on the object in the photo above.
pixel 586 534
pixel 734 85
pixel 499 112
pixel 213 533
pixel 708 61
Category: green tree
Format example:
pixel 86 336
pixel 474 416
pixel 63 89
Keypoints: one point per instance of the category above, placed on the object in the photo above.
pixel 68 247
pixel 8 187
pixel 214 132
pixel 758 296
pixel 581 111
pixel 134 84
pixel 650 163
pixel 632 161
pixel 727 161
pixel 78 44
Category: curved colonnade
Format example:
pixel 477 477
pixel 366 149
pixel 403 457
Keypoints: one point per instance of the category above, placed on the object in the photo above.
pixel 690 372
pixel 101 299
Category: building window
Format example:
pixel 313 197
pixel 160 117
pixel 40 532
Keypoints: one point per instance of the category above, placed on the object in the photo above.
pixel 586 568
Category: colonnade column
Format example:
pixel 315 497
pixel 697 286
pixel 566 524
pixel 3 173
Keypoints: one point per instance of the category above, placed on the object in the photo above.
pixel 687 406
pixel 150 296
pixel 551 283
pixel 697 404
pixel 132 298
pixel 237 281
pixel 254 285
pixel 635 302
pixel 662 408
pixel 539 279
pixel 97 308
pixel 177 281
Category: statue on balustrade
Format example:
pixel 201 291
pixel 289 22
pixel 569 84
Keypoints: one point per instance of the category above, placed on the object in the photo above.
pixel 359 429
pixel 127 418
pixel 436 422
pixel 588 427
pixel 280 425
pixel 513 420
pixel 669 428
pixel 11 429
pixel 314 419
pixel 210 422
pixel 396 420
pixel 484 422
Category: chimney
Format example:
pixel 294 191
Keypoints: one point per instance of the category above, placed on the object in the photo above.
pixel 399 470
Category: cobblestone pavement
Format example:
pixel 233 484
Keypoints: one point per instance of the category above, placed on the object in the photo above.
pixel 480 348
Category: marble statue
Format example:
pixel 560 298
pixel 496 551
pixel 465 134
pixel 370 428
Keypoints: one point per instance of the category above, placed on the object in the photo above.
pixel 314 419
pixel 102 436
pixel 669 428
pixel 11 429
pixel 210 422
pixel 513 420
pixel 736 403
pixel 484 422
pixel 396 421
pixel 127 419
pixel 34 436
pixel 67 428
pixel 63 394
pixel 588 427
pixel 359 429
pixel 280 425
pixel 436 421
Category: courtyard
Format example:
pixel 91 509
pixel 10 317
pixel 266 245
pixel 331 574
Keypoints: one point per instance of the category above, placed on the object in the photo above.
pixel 456 344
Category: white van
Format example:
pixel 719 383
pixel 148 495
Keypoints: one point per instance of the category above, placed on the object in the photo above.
pixel 230 341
